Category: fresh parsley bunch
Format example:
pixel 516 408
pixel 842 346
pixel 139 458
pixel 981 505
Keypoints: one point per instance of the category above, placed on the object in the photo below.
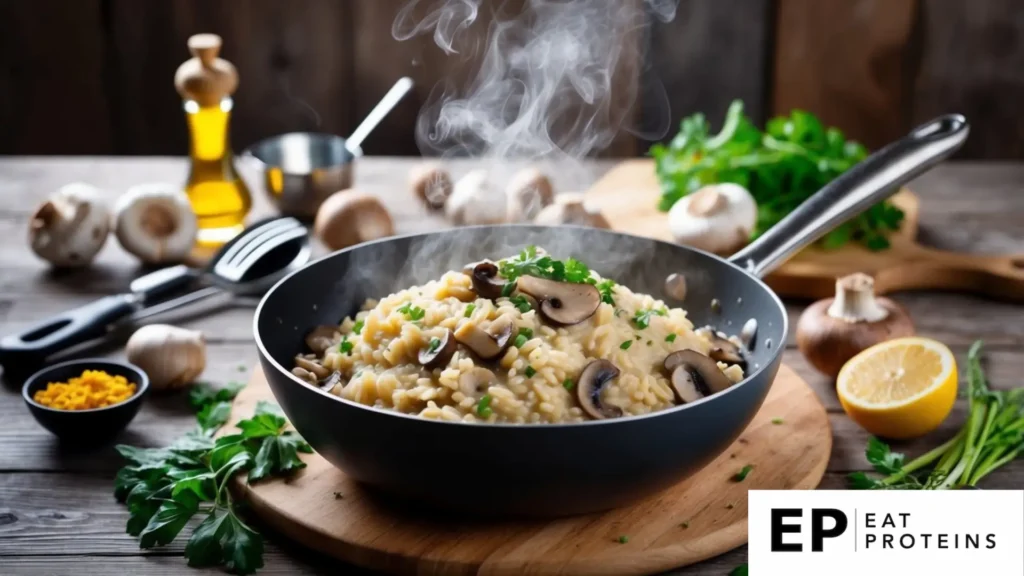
pixel 992 436
pixel 164 488
pixel 530 262
pixel 783 166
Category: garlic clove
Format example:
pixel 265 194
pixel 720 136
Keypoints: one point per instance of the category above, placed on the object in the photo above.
pixel 172 357
pixel 718 218
pixel 474 201
pixel 70 228
pixel 155 223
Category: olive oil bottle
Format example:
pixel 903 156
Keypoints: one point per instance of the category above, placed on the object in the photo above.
pixel 218 195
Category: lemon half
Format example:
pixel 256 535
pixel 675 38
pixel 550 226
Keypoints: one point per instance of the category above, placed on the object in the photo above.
pixel 900 388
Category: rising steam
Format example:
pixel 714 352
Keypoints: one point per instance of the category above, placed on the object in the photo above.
pixel 556 80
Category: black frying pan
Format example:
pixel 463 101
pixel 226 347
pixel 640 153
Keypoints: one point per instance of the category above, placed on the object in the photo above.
pixel 559 469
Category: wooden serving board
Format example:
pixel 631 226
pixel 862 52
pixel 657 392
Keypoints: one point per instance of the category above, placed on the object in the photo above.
pixel 628 198
pixel 697 519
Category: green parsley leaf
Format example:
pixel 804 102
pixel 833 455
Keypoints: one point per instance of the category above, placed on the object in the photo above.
pixel 507 289
pixel 204 393
pixel 520 302
pixel 358 326
pixel 625 345
pixel 412 312
pixel 483 406
pixel 529 371
pixel 568 384
pixel 469 310
pixel 861 481
pixel 169 520
pixel 223 539
pixel 261 426
pixel 345 347
pixel 528 332
pixel 279 455
pixel 642 318
pixel 199 482
pixel 740 570
pixel 433 345
pixel 623 539
pixel 882 458
pixel 777 421
pixel 520 341
pixel 605 288
pixel 670 338
pixel 743 473
pixel 214 415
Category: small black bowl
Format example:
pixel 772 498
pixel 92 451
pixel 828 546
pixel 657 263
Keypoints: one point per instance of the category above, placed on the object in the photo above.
pixel 86 426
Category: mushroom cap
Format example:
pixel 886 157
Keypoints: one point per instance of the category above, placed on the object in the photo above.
pixel 571 209
pixel 473 201
pixel 487 344
pixel 528 192
pixel 350 217
pixel 724 350
pixel 432 184
pixel 155 222
pixel 486 281
pixel 563 303
pixel 321 338
pixel 440 354
pixel 70 228
pixel 718 218
pixel 693 373
pixel 476 380
pixel 593 378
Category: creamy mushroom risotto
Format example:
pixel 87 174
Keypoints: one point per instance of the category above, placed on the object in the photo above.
pixel 528 339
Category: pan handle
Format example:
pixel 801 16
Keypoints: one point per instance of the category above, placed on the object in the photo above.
pixel 874 179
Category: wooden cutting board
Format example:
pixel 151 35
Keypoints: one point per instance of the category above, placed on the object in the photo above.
pixel 700 518
pixel 628 197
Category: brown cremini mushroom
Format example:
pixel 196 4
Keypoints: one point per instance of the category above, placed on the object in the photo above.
pixel 486 281
pixel 321 338
pixel 351 217
pixel 562 303
pixel 487 344
pixel 592 381
pixel 694 375
pixel 438 351
pixel 723 350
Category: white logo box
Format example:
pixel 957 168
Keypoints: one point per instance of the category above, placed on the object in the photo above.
pixel 938 533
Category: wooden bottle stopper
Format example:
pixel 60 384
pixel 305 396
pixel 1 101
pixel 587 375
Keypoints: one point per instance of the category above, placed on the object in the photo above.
pixel 205 78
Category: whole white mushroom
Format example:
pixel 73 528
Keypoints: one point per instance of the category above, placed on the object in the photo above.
pixel 155 222
pixel 70 228
pixel 528 192
pixel 474 201
pixel 718 218
pixel 571 209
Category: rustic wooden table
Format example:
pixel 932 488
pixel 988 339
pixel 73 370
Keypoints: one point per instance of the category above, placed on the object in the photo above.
pixel 57 511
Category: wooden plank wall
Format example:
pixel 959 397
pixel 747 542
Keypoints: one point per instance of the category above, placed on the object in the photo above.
pixel 95 76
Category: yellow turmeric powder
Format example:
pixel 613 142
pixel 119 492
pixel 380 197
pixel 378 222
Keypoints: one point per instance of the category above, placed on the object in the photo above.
pixel 93 389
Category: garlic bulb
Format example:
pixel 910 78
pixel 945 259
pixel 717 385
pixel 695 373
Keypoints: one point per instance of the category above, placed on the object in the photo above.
pixel 718 218
pixel 71 227
pixel 155 222
pixel 473 201
pixel 172 357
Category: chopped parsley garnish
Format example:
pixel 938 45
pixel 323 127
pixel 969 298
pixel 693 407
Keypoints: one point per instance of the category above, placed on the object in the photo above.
pixel 777 421
pixel 358 327
pixel 412 312
pixel 345 347
pixel 568 384
pixel 528 332
pixel 625 345
pixel 483 406
pixel 520 302
pixel 642 318
pixel 507 289
pixel 670 338
pixel 605 288
pixel 529 371
pixel 469 310
pixel 435 343
pixel 743 473
pixel 520 341
pixel 623 539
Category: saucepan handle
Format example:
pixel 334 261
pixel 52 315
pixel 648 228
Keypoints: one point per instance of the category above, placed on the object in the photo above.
pixel 874 179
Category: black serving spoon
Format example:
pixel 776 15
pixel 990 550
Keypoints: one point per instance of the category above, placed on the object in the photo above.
pixel 249 264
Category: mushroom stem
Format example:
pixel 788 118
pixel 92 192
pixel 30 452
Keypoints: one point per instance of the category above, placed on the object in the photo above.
pixel 855 300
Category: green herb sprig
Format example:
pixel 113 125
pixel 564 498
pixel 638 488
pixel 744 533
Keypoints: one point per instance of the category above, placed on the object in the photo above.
pixel 165 487
pixel 529 262
pixel 792 159
pixel 642 318
pixel 992 436
pixel 411 312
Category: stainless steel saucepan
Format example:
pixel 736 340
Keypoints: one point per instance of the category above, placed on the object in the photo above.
pixel 557 469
